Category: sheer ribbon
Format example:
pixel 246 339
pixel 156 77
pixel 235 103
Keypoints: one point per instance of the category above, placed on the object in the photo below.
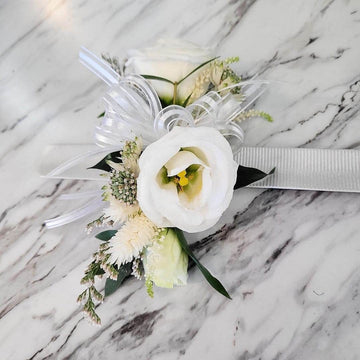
pixel 133 107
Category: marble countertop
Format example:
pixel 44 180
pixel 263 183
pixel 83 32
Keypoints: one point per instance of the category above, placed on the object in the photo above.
pixel 289 258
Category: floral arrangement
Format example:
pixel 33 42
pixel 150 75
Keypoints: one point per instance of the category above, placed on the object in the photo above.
pixel 171 129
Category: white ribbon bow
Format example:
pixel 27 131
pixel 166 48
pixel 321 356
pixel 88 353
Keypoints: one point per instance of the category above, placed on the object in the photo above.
pixel 132 107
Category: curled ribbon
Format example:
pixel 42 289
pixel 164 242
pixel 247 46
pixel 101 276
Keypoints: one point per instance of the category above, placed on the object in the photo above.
pixel 132 106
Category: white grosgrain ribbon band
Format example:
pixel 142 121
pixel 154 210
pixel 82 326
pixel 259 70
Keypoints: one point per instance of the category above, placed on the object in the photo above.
pixel 304 169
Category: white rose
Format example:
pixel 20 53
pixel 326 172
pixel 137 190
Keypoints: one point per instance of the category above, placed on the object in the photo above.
pixel 186 179
pixel 171 59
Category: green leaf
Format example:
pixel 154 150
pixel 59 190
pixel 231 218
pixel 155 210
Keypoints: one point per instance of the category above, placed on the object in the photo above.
pixel 103 165
pixel 153 77
pixel 100 272
pixel 197 68
pixel 97 270
pixel 186 101
pixel 106 235
pixel 165 102
pixel 112 285
pixel 248 175
pixel 215 283
pixel 101 115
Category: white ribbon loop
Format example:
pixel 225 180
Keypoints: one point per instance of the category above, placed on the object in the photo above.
pixel 133 108
pixel 205 109
pixel 171 116
pixel 216 111
pixel 99 67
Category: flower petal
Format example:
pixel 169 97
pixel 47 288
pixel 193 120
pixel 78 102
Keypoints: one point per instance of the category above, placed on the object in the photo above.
pixel 181 161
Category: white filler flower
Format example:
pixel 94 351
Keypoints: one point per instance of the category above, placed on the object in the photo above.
pixel 130 240
pixel 171 59
pixel 186 179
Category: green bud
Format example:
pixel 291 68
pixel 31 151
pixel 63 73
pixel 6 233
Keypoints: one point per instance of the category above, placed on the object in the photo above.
pixel 165 263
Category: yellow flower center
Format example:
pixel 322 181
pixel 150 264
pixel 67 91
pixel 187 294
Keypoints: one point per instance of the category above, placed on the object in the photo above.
pixel 183 180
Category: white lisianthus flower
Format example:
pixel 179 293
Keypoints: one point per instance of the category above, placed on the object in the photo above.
pixel 186 179
pixel 165 263
pixel 171 59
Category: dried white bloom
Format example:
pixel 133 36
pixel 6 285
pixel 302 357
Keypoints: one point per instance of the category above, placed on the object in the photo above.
pixel 118 211
pixel 130 240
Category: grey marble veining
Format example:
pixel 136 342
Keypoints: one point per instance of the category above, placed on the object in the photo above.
pixel 290 259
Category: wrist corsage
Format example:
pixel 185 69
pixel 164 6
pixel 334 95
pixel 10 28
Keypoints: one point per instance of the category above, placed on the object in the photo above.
pixel 169 132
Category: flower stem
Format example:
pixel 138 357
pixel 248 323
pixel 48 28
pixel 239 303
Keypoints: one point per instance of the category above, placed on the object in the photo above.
pixel 175 92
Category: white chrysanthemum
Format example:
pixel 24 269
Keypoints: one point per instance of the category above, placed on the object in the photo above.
pixel 130 240
pixel 118 211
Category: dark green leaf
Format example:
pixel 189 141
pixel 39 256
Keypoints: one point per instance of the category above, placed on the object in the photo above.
pixel 153 77
pixel 100 272
pixel 215 283
pixel 106 235
pixel 97 270
pixel 248 175
pixel 101 115
pixel 165 102
pixel 103 165
pixel 197 68
pixel 186 100
pixel 112 285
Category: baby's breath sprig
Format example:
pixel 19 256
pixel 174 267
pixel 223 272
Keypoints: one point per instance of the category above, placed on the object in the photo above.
pixel 98 267
pixel 99 222
pixel 229 77
pixel 131 152
pixel 149 287
pixel 101 257
pixel 89 309
pixel 253 113
pixel 217 75
pixel 94 269
pixel 130 148
pixel 231 60
pixel 111 271
pixel 105 193
pixel 137 268
pixel 114 63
